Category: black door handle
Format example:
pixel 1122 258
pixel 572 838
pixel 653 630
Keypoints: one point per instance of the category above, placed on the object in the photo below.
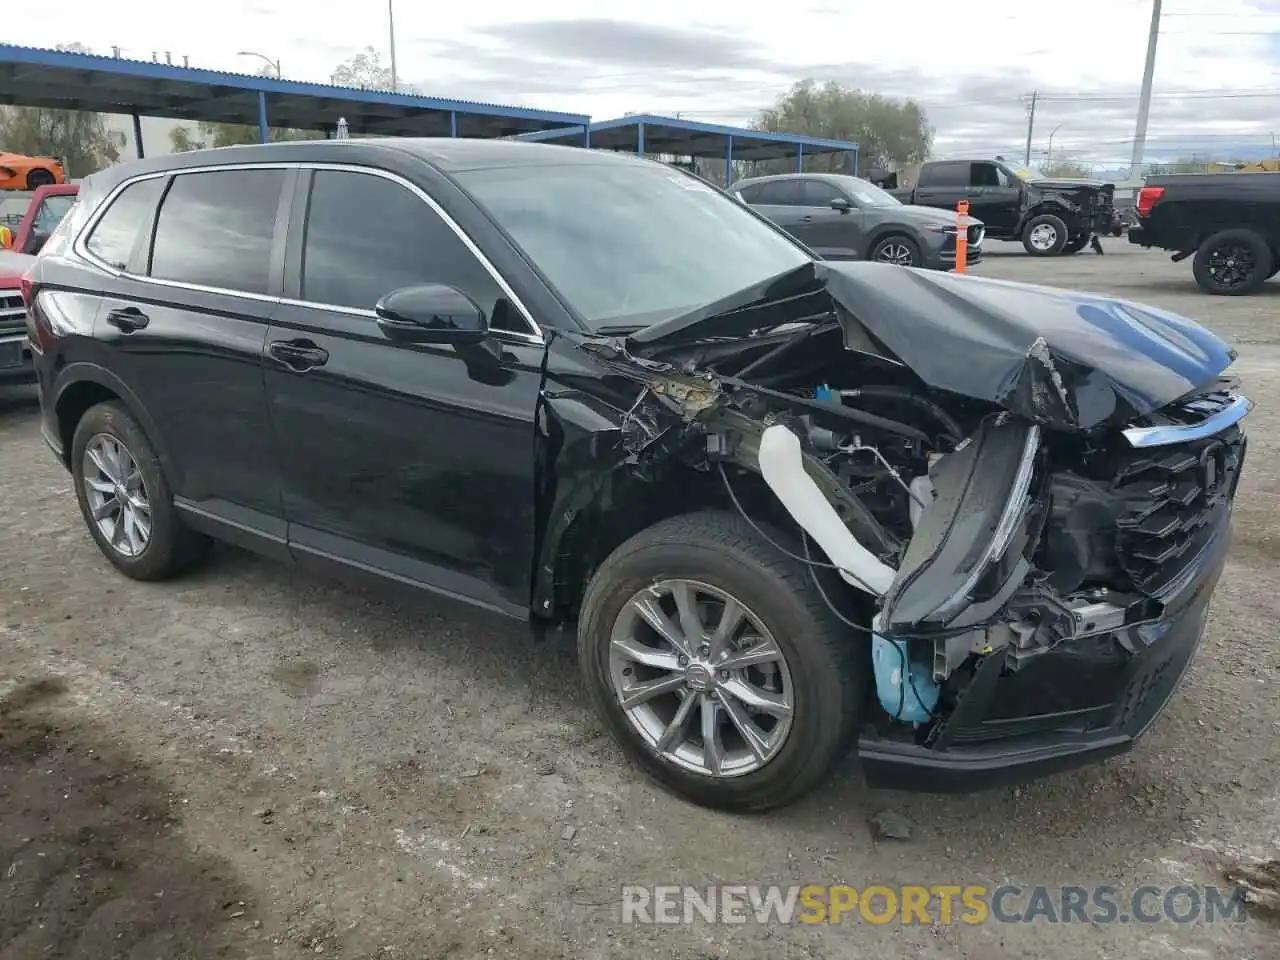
pixel 806 219
pixel 127 319
pixel 298 354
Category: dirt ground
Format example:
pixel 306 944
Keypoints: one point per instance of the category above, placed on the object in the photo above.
pixel 250 763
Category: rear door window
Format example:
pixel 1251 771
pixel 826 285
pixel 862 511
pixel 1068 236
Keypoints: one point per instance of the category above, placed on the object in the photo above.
pixel 944 175
pixel 215 229
pixel 780 193
pixel 113 238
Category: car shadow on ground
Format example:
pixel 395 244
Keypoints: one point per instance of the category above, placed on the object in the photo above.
pixel 501 657
pixel 92 863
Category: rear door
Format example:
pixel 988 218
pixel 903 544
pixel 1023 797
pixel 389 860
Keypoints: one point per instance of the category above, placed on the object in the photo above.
pixel 412 460
pixel 943 184
pixel 779 200
pixel 184 320
pixel 831 233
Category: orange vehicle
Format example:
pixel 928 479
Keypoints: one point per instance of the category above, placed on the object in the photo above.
pixel 18 172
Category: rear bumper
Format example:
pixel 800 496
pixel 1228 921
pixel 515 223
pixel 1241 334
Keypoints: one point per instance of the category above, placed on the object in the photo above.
pixel 1138 236
pixel 1125 693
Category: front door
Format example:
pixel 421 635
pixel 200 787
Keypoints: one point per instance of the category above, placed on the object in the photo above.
pixel 835 234
pixel 414 461
pixel 186 323
pixel 994 197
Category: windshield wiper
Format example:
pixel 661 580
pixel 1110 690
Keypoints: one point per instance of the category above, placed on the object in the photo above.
pixel 617 330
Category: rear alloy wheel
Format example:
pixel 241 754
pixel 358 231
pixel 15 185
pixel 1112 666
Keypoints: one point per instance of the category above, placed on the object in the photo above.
pixel 1045 236
pixel 899 251
pixel 39 178
pixel 715 663
pixel 1233 263
pixel 125 498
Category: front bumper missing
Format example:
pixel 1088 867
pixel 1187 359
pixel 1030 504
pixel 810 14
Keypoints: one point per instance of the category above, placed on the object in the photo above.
pixel 1102 698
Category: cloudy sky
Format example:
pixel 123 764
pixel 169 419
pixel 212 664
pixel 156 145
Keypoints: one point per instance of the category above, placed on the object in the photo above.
pixel 1217 71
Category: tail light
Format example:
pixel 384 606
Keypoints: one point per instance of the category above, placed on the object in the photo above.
pixel 38 331
pixel 1147 198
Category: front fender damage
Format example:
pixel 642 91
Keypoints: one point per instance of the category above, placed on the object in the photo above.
pixel 924 461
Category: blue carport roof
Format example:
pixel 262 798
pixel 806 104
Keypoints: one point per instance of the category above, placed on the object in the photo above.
pixel 691 138
pixel 33 77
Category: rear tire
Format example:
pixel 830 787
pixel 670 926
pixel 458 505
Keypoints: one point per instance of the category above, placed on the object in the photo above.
pixel 1045 236
pixel 1233 263
pixel 40 178
pixel 125 499
pixel 822 669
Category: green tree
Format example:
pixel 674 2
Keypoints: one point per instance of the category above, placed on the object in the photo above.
pixel 885 129
pixel 366 70
pixel 231 134
pixel 1066 170
pixel 81 141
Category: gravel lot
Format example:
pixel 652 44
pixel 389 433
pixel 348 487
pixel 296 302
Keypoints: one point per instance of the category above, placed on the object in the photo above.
pixel 252 763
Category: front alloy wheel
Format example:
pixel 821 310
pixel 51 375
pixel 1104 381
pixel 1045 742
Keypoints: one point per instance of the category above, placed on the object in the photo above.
pixel 700 678
pixel 117 495
pixel 714 662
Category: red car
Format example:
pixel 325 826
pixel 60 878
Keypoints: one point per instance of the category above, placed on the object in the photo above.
pixel 36 216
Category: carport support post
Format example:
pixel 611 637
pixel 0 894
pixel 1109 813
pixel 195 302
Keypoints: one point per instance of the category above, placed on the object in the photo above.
pixel 262 117
pixel 800 158
pixel 137 135
pixel 640 138
pixel 586 136
pixel 728 161
pixel 453 123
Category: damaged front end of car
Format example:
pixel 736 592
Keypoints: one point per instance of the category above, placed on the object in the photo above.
pixel 1019 498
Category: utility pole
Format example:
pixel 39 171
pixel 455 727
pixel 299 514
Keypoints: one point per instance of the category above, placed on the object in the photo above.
pixel 391 27
pixel 1144 100
pixel 1031 126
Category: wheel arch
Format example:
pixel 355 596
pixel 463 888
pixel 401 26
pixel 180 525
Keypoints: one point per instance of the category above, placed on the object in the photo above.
pixel 80 386
pixel 1054 207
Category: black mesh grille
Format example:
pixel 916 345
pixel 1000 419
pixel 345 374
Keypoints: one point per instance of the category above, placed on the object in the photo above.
pixel 1174 498
pixel 13 316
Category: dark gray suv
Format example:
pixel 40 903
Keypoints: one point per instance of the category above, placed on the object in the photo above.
pixel 847 218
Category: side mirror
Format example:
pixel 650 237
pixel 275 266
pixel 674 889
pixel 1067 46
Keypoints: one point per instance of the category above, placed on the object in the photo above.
pixel 431 313
pixel 841 204
pixel 6 238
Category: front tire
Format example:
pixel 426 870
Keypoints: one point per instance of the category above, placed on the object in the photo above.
pixel 1232 263
pixel 897 250
pixel 1045 236
pixel 717 666
pixel 1075 245
pixel 125 499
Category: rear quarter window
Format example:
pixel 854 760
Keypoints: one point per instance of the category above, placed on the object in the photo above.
pixel 113 237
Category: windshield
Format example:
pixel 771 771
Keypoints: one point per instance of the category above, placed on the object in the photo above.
pixel 1023 173
pixel 52 211
pixel 868 194
pixel 629 244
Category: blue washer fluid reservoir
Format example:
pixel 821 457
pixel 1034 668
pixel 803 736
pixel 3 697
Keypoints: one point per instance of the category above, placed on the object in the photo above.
pixel 912 701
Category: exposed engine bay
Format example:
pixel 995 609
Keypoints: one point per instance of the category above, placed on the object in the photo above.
pixel 980 510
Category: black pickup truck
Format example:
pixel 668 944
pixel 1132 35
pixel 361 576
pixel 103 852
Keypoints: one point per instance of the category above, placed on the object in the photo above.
pixel 1230 223
pixel 1050 217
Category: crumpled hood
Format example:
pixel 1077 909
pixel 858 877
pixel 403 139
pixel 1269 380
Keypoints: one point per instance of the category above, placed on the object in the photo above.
pixel 1063 359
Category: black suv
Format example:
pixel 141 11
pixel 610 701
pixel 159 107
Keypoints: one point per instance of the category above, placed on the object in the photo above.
pixel 789 504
